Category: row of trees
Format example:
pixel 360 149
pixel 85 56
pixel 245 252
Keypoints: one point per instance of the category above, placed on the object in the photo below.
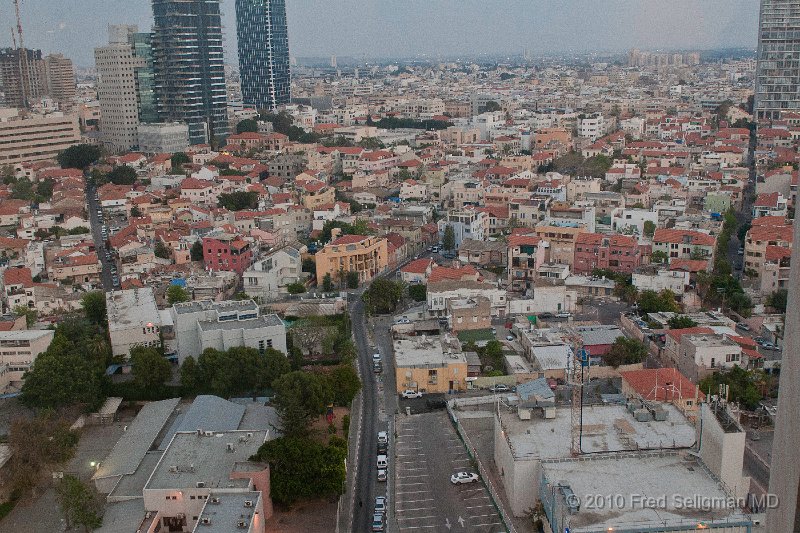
pixel 383 296
pixel 239 370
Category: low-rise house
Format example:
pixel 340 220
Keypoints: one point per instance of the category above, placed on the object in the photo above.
pixel 469 314
pixel 270 275
pixel 18 352
pixel 663 385
pixel 684 244
pixel 698 352
pixel 133 320
pixel 417 271
pixel 430 364
pixel 619 253
pixel 483 253
pixel 368 256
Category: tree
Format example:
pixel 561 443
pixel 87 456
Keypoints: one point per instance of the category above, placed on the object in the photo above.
pixel 681 322
pixel 491 106
pixel 179 159
pixel 344 383
pixel 94 307
pixel 161 250
pixel 741 304
pixel 38 444
pixel 352 279
pixel 22 190
pixel 150 369
pixel 299 398
pixel 449 238
pixel 135 212
pixel 296 288
pixel 80 505
pixel 309 265
pixel 239 200
pixel 742 385
pixel 649 228
pixel 327 282
pixel 656 302
pixel 302 468
pixel 778 299
pixel 177 294
pixel 122 175
pixel 78 156
pixel 418 292
pixel 383 296
pixel 371 143
pixel 196 251
pixel 61 380
pixel 247 125
pixel 625 351
pixel 190 375
pixel 658 257
pixel 29 314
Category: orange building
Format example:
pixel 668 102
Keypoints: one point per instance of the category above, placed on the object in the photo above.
pixel 353 253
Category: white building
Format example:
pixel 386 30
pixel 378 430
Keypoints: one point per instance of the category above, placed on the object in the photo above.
pixel 224 325
pixel 439 293
pixel 133 320
pixel 592 127
pixel 116 89
pixel 466 224
pixel 18 351
pixel 673 280
pixel 163 138
pixel 268 277
pixel 632 221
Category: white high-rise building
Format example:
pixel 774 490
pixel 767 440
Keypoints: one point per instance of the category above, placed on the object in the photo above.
pixel 116 88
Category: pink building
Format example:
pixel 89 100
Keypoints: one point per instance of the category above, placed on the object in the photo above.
pixel 619 253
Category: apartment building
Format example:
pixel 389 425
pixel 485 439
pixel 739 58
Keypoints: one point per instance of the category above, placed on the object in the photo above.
pixel 430 364
pixel 619 253
pixel 368 256
pixel 762 237
pixel 684 244
pixel 697 352
pixel 18 352
pixel 269 275
pixel 200 325
pixel 226 251
pixel 466 224
pixel 770 205
pixel 28 138
pixel 526 253
pixel 561 241
pixel 163 137
pixel 133 320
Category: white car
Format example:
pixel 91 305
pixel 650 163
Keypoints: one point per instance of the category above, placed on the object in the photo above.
pixel 380 505
pixel 563 315
pixel 383 437
pixel 409 393
pixel 376 357
pixel 463 477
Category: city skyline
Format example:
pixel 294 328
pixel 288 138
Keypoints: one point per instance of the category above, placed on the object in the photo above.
pixel 416 27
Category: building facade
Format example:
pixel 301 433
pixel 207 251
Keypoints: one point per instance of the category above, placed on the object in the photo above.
pixel 163 138
pixel 368 256
pixel 31 138
pixel 778 67
pixel 189 73
pixel 18 351
pixel 133 320
pixel 60 78
pixel 227 252
pixel 263 41
pixel 21 76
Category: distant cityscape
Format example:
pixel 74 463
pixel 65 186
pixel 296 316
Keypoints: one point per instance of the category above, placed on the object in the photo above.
pixel 531 292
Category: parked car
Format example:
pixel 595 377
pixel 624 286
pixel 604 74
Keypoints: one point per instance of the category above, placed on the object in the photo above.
pixel 510 337
pixel 410 393
pixel 463 477
pixel 382 462
pixel 381 475
pixel 760 340
pixel 376 357
pixel 380 504
pixel 377 522
pixel 383 437
pixel 563 315
pixel 546 315
pixel 377 367
pixel 499 387
pixel 742 326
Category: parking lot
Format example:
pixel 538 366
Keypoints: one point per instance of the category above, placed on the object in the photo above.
pixel 428 452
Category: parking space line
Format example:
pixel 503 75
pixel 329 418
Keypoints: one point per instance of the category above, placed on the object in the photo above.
pixel 417 517
pixel 487 524
pixel 418 475
pixel 481 496
pixel 482 515
pixel 471 490
pixel 414 509
pixel 412 492
pixel 478 506
pixel 409 484
pixel 416 527
pixel 422 500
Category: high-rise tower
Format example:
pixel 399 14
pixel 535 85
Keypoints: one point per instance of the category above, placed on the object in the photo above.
pixel 263 52
pixel 778 70
pixel 189 81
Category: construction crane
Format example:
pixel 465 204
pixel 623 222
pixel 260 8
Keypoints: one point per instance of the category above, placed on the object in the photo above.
pixel 23 59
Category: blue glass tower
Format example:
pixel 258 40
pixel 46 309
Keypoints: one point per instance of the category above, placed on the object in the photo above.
pixel 189 73
pixel 263 52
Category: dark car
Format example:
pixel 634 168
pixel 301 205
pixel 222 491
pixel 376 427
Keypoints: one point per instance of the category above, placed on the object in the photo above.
pixel 436 403
pixel 546 315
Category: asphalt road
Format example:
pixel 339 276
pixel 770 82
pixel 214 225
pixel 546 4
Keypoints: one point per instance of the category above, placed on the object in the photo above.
pixel 96 225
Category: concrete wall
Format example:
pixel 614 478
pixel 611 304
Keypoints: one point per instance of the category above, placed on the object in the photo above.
pixel 519 477
pixel 723 452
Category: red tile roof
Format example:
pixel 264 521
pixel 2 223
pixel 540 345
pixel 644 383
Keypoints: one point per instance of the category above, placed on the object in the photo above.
pixel 679 235
pixel 441 273
pixel 661 384
pixel 678 333
pixel 418 266
pixel 18 276
pixel 349 239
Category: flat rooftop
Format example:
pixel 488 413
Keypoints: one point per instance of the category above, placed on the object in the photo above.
pixel 262 321
pixel 131 308
pixel 678 488
pixel 225 511
pixel 422 351
pixel 191 458
pixel 606 428
pixel 207 305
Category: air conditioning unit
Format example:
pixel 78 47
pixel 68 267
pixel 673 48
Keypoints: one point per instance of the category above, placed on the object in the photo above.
pixel 205 520
pixel 215 499
pixel 229 446
pixel 242 524
pixel 201 484
pixel 248 503
pixel 209 433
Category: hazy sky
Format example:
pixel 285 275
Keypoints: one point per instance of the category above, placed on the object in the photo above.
pixel 382 28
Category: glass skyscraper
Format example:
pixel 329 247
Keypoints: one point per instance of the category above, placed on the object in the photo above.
pixel 189 75
pixel 148 110
pixel 778 71
pixel 263 52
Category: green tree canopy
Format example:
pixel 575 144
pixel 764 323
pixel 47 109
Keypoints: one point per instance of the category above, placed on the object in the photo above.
pixel 383 296
pixel 352 279
pixel 248 125
pixel 37 445
pixel 78 156
pixel 122 175
pixel 742 385
pixel 625 351
pixel 491 106
pixel 179 159
pixel 449 238
pixel 196 251
pixel 655 302
pixel 150 369
pixel 29 314
pixel 418 292
pixel 79 504
pixel 327 282
pixel 161 250
pixel 649 228
pixel 296 288
pixel 240 370
pixel 299 399
pixel 302 468
pixel 238 200
pixel 94 307
pixel 681 322
pixel 177 294
pixel 778 299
